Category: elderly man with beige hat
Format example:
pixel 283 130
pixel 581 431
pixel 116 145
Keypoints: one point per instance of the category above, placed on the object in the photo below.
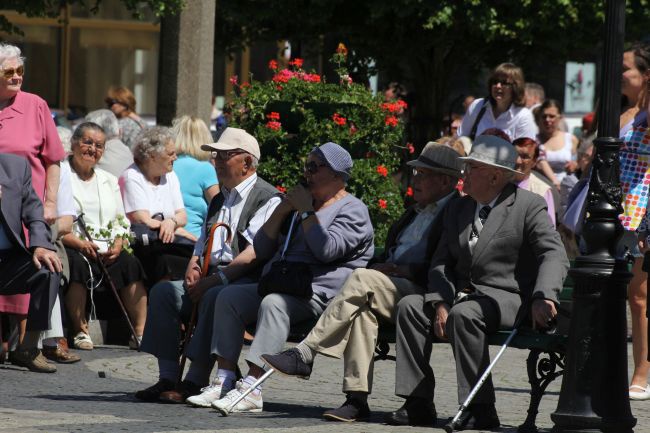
pixel 498 251
pixel 244 203
pixel 348 327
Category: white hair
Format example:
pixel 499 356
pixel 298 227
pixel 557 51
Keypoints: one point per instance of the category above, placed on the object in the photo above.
pixel 150 142
pixel 107 120
pixel 8 51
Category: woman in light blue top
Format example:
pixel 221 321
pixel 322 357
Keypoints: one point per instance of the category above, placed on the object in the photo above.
pixel 198 177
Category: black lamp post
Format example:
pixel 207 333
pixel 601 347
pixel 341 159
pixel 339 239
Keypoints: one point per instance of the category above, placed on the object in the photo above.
pixel 594 395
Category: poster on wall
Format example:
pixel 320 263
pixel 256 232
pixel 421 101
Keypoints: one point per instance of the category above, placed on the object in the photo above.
pixel 579 87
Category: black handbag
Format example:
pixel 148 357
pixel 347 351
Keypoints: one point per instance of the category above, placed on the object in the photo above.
pixel 286 277
pixel 145 236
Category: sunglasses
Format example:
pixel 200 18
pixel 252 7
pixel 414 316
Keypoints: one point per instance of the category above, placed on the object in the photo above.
pixel 503 83
pixel 225 155
pixel 110 102
pixel 312 167
pixel 9 72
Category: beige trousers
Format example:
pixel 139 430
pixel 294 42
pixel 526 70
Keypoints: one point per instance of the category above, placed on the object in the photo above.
pixel 348 327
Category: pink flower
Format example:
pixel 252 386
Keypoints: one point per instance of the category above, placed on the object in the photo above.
pixel 283 76
pixel 233 80
pixel 410 147
pixel 273 125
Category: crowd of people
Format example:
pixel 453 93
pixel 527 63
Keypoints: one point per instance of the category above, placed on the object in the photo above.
pixel 194 241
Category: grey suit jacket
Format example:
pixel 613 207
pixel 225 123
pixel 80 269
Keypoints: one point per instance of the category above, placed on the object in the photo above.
pixel 518 253
pixel 20 205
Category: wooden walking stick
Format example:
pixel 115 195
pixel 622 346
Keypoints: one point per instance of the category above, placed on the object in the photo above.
pixel 111 284
pixel 204 273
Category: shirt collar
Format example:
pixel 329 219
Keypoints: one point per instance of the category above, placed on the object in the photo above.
pixel 242 187
pixel 18 103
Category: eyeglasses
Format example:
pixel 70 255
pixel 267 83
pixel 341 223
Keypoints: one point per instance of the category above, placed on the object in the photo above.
pixel 312 167
pixel 90 143
pixel 110 102
pixel 9 72
pixel 503 83
pixel 225 155
pixel 421 174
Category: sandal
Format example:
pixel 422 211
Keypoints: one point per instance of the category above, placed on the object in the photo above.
pixel 641 394
pixel 82 341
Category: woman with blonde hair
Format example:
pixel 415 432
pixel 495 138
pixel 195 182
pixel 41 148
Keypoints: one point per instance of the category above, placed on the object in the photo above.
pixel 197 177
pixel 121 102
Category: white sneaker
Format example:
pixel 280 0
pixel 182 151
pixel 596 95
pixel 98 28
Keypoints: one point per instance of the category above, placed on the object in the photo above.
pixel 251 403
pixel 209 394
pixel 82 341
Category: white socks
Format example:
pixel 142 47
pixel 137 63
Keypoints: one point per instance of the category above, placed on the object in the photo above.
pixel 306 353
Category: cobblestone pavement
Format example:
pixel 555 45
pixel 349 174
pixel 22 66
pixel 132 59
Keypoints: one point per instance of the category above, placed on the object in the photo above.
pixel 76 399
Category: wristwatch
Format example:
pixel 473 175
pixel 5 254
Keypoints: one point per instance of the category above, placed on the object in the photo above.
pixel 306 214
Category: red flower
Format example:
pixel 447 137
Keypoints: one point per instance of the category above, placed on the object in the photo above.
pixel 394 107
pixel 297 63
pixel 312 78
pixel 281 188
pixel 339 120
pixel 382 203
pixel 410 147
pixel 342 49
pixel 459 185
pixel 273 65
pixel 391 121
pixel 273 116
pixel 353 129
pixel 273 125
pixel 409 192
pixel 245 85
pixel 283 76
pixel 233 80
pixel 401 104
pixel 382 170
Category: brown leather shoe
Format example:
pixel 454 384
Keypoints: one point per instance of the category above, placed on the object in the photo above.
pixel 185 390
pixel 58 354
pixel 32 359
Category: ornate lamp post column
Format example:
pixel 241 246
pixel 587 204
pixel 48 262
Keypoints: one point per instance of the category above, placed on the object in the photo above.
pixel 594 395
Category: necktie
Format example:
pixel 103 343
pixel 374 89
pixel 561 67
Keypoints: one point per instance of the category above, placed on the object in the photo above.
pixel 484 213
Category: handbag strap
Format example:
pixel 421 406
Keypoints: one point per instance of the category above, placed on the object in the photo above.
pixel 288 239
pixel 472 134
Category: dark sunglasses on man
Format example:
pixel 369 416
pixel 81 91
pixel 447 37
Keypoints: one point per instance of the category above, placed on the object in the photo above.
pixel 312 167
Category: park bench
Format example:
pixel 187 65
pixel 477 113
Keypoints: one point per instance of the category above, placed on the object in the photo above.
pixel 545 360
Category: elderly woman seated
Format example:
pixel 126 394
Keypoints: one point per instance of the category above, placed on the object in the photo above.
pixel 154 205
pixel 330 235
pixel 97 196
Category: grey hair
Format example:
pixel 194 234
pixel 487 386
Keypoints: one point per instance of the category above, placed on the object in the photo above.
pixel 151 141
pixel 585 145
pixel 107 120
pixel 79 131
pixel 65 135
pixel 254 161
pixel 8 51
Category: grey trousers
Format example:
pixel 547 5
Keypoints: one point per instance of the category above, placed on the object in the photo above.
pixel 468 326
pixel 169 306
pixel 239 305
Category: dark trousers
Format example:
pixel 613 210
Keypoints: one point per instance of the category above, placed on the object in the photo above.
pixel 18 274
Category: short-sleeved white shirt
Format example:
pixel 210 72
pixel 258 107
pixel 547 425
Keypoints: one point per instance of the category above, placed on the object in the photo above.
pixel 142 195
pixel 517 122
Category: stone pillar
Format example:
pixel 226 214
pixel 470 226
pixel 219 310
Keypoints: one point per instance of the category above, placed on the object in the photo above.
pixel 186 62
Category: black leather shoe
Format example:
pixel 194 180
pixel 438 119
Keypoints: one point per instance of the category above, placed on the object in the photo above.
pixel 416 411
pixel 478 417
pixel 185 390
pixel 153 392
pixel 290 363
pixel 351 410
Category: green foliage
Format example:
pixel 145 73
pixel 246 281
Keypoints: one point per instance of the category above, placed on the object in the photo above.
pixel 117 228
pixel 296 111
pixel 52 9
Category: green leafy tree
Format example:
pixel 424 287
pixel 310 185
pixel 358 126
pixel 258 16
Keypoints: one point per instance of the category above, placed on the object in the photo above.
pixel 52 8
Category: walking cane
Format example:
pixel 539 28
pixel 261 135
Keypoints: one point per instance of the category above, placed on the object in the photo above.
pixel 195 308
pixel 111 284
pixel 454 423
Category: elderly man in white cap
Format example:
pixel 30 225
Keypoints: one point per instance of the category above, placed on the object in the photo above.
pixel 498 252
pixel 349 326
pixel 244 203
